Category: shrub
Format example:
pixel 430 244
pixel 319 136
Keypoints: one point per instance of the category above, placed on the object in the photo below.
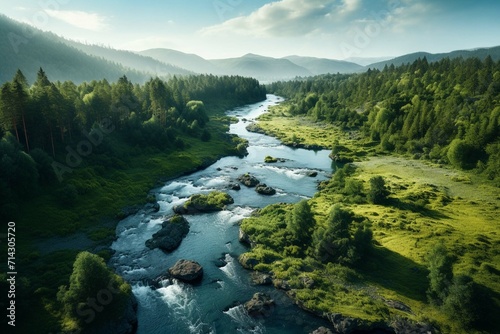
pixel 378 192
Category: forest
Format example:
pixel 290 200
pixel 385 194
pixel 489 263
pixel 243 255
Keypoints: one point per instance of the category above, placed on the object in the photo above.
pixel 43 124
pixel 410 214
pixel 75 158
pixel 444 111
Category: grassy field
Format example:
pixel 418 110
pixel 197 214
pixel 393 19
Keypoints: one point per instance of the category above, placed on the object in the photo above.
pixel 428 204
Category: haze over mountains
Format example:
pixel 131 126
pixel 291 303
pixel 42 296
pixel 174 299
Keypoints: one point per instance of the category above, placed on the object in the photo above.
pixel 27 48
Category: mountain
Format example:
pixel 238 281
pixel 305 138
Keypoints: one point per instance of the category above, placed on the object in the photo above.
pixel 322 66
pixel 26 48
pixel 480 53
pixel 131 60
pixel 363 61
pixel 261 68
pixel 189 61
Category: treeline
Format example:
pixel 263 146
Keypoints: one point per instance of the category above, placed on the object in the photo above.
pixel 447 111
pixel 63 121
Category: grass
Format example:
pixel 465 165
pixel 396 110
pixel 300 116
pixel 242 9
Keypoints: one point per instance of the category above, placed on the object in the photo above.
pixel 428 204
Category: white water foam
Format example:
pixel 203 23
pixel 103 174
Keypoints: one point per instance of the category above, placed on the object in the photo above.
pixel 230 268
pixel 246 324
pixel 181 302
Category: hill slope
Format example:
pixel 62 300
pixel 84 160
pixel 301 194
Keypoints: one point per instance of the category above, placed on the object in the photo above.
pixel 188 61
pixel 323 66
pixel 46 50
pixel 262 68
pixel 132 60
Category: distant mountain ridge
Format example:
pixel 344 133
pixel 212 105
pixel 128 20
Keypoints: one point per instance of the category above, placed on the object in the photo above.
pixel 480 53
pixel 131 59
pixel 63 59
pixel 189 61
pixel 322 65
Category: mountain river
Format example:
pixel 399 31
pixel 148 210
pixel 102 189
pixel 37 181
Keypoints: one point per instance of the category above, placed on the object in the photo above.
pixel 215 305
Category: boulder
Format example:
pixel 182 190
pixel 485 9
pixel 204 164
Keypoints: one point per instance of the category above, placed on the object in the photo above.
pixel 263 189
pixel 244 238
pixel 269 159
pixel 322 330
pixel 312 174
pixel 261 304
pixel 234 186
pixel 186 271
pixel 248 180
pixel 200 203
pixel 170 236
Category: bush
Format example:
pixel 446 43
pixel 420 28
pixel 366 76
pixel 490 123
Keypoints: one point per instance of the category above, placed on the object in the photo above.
pixel 378 192
pixel 460 153
pixel 461 304
pixel 95 294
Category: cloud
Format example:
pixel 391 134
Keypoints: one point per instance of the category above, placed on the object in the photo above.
pixel 80 19
pixel 285 18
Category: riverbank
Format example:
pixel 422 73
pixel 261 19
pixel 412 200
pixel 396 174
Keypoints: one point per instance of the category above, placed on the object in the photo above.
pixel 429 204
pixel 52 230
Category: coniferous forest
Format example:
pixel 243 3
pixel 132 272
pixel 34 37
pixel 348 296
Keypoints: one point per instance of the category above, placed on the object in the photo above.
pixel 445 111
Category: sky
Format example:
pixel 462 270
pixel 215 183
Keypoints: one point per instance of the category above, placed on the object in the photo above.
pixel 336 29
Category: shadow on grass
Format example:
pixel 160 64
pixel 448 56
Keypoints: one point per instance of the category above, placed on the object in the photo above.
pixel 395 272
pixel 415 207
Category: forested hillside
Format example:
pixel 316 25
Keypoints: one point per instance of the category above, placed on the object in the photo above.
pixel 27 48
pixel 447 111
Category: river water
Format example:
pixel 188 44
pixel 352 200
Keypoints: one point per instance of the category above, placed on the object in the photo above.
pixel 215 304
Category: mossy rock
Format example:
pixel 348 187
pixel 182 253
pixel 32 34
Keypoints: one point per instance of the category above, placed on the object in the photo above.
pixel 199 203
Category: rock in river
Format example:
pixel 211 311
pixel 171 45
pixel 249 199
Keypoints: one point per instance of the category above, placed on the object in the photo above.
pixel 264 189
pixel 199 203
pixel 248 180
pixel 261 304
pixel 186 271
pixel 171 234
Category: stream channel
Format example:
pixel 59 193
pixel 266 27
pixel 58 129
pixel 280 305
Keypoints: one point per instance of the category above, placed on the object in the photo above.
pixel 215 305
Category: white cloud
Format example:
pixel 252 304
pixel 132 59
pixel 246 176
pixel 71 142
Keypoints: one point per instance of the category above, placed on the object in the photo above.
pixel 281 18
pixel 80 19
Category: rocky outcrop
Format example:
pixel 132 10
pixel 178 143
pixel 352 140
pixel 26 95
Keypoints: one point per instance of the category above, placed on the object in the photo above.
pixel 281 284
pixel 264 189
pixel 322 330
pixel 261 304
pixel 200 203
pixel 248 180
pixel 307 282
pixel 261 279
pixel 186 271
pixel 244 238
pixel 171 234
pixel 248 262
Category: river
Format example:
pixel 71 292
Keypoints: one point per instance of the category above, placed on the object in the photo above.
pixel 214 305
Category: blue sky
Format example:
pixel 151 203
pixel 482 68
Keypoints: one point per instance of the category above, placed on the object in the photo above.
pixel 229 28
